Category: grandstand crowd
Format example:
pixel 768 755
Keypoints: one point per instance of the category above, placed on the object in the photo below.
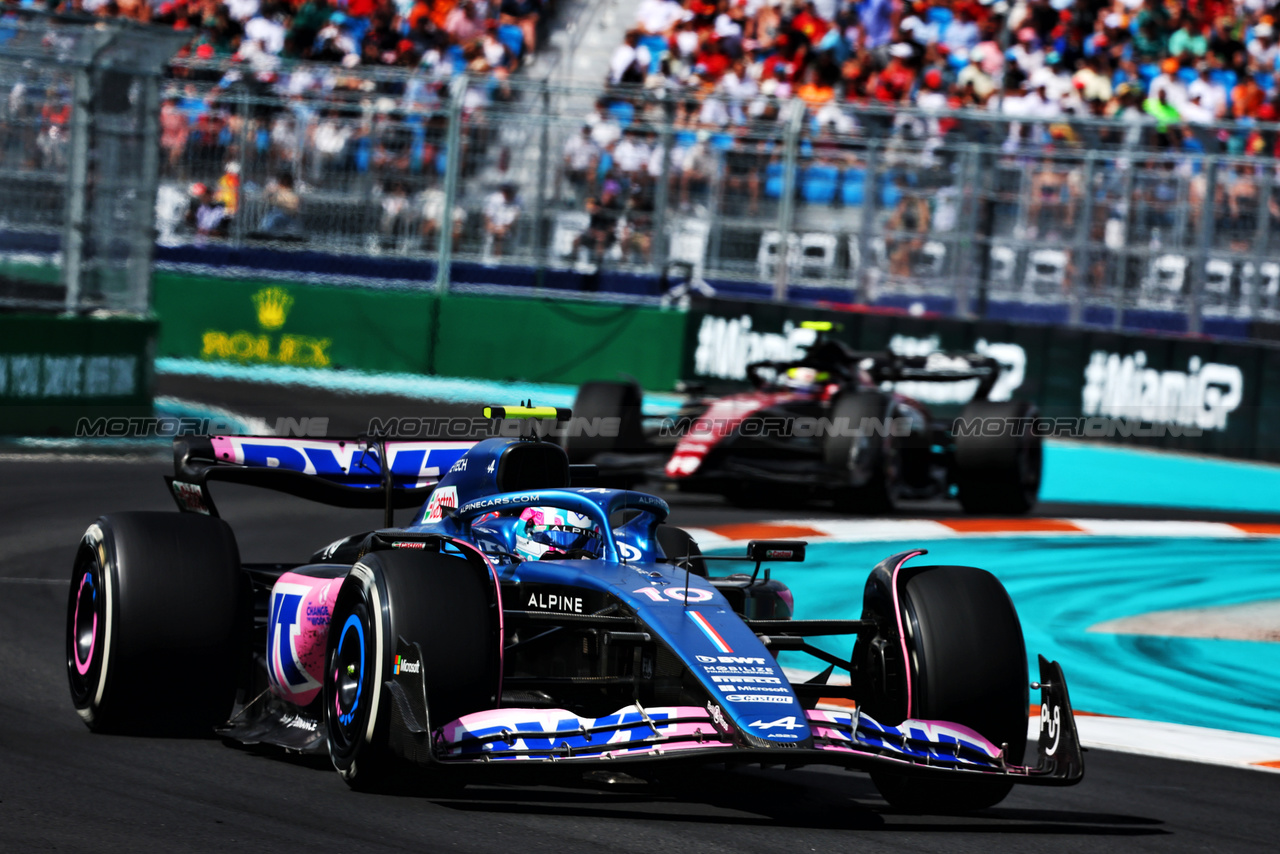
pixel 1193 75
pixel 1190 62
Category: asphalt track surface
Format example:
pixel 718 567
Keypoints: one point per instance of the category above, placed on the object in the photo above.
pixel 62 787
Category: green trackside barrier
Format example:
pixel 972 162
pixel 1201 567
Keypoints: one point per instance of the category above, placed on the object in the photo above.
pixel 55 371
pixel 264 322
pixel 1199 395
pixel 562 341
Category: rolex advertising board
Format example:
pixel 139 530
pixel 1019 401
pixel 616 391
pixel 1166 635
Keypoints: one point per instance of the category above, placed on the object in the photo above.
pixel 285 324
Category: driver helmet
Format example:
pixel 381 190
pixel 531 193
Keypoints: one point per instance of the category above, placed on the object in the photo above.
pixel 805 379
pixel 551 531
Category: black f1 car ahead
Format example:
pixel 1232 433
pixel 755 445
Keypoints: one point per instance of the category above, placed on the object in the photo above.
pixel 520 622
pixel 827 425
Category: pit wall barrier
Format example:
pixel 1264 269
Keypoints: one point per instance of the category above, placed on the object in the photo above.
pixel 269 322
pixel 1181 393
pixel 57 370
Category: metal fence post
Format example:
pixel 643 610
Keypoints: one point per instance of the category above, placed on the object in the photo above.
pixel 1259 248
pixel 960 259
pixel 144 213
pixel 237 221
pixel 786 210
pixel 662 196
pixel 870 199
pixel 1080 252
pixel 541 247
pixel 1204 239
pixel 77 188
pixel 453 164
pixel 1118 273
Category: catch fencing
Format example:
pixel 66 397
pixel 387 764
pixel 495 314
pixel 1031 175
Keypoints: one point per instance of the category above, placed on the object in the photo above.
pixel 1089 221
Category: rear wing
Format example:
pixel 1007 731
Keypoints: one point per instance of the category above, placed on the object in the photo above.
pixel 884 366
pixel 337 472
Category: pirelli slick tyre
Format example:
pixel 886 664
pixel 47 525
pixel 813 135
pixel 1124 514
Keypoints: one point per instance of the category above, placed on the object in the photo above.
pixel 439 609
pixel 865 464
pixel 606 400
pixel 998 472
pixel 678 546
pixel 155 624
pixel 966 663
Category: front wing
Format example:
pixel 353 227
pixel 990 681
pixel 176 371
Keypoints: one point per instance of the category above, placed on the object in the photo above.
pixel 695 733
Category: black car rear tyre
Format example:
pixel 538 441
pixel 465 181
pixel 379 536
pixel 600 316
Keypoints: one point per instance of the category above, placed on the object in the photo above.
pixel 444 604
pixel 603 399
pixel 677 545
pixel 999 472
pixel 156 624
pixel 967 663
pixel 865 464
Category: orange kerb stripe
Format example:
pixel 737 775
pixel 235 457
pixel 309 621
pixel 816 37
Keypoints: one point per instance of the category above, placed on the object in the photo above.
pixel 1266 528
pixel 997 526
pixel 764 531
pixel 838 701
pixel 1272 763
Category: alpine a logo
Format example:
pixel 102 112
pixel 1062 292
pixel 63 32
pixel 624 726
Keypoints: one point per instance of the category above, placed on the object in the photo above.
pixel 284 626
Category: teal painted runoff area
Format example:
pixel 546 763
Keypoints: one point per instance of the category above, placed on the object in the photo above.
pixel 1063 585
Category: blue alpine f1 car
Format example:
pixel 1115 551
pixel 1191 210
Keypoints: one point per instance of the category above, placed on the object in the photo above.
pixel 524 620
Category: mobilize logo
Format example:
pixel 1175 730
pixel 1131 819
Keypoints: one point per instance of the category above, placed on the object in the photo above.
pixel 403 665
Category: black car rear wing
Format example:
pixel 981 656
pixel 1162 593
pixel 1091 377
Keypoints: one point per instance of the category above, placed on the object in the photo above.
pixel 881 366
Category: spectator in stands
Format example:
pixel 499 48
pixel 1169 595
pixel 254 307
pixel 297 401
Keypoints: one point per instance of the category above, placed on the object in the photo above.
pixel 174 130
pixel 602 228
pixel 523 14
pixel 906 227
pixel 283 207
pixel 395 210
pixel 206 214
pixel 501 212
pixel 581 157
pixel 630 61
pixel 696 169
pixel 432 204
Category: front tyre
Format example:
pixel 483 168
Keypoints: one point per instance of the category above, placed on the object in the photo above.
pixel 155 623
pixel 966 662
pixel 444 604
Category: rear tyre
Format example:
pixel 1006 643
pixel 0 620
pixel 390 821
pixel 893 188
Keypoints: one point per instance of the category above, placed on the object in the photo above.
pixel 155 630
pixel 866 464
pixel 677 545
pixel 967 664
pixel 606 400
pixel 442 603
pixel 999 474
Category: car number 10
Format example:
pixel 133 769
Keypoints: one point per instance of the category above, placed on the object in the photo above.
pixel 679 594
